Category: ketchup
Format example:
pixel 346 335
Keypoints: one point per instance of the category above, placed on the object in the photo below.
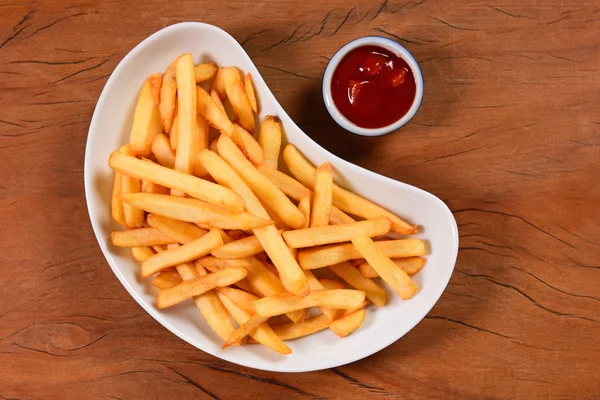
pixel 372 87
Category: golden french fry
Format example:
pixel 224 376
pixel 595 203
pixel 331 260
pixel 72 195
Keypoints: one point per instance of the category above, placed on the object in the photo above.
pixel 304 207
pixel 355 279
pixel 217 99
pixel 249 84
pixel 186 114
pixel 140 237
pixel 314 283
pixel 214 264
pixel 167 279
pixel 255 152
pixel 265 282
pixel 297 191
pixel 263 334
pixel 286 264
pixel 260 185
pixel 202 132
pixel 196 187
pixel 336 233
pixel 156 189
pixel 410 265
pixel 348 324
pixel 330 255
pixel 219 85
pixel 161 148
pixel 242 248
pixel 269 138
pixel 342 198
pixel 168 93
pixel 195 287
pixel 174 134
pixel 134 218
pixel 387 270
pixel 208 303
pixel 146 120
pixel 244 299
pixel 220 170
pixel 213 146
pixel 321 206
pixel 244 330
pixel 116 206
pixel 331 284
pixel 309 326
pixel 236 93
pixel 142 253
pixel 204 72
pixel 286 302
pixel 183 232
pixel 182 254
pixel 217 118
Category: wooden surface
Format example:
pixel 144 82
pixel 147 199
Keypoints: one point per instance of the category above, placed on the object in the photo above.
pixel 508 136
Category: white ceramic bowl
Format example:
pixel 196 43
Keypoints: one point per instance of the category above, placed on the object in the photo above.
pixel 109 129
pixel 395 48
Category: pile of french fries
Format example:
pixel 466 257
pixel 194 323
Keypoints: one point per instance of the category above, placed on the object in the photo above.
pixel 211 218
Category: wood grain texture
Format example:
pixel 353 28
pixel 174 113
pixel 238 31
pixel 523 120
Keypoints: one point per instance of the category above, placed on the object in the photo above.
pixel 508 135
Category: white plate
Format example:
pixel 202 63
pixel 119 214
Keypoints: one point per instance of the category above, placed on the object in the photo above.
pixel 109 130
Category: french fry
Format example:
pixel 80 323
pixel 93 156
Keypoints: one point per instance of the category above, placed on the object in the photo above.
pixel 219 85
pixel 249 85
pixel 196 187
pixel 331 284
pixel 202 131
pixel 217 118
pixel 336 233
pixel 263 334
pixel 142 253
pixel 304 207
pixel 140 237
pixel 244 330
pixel 134 218
pixel 220 170
pixel 156 189
pixel 348 324
pixel 269 138
pixel 321 206
pixel 244 299
pixel 297 191
pixel 290 331
pixel 265 282
pixel 168 93
pixel 159 248
pixel 289 270
pixel 214 264
pixel 167 279
pixel 182 254
pixel 217 99
pixel 387 270
pixel 330 255
pixel 410 265
pixel 195 287
pixel 183 232
pixel 314 283
pixel 161 148
pixel 355 279
pixel 261 186
pixel 116 206
pixel 213 146
pixel 186 114
pixel 255 152
pixel 204 72
pixel 286 302
pixel 236 93
pixel 174 134
pixel 146 120
pixel 242 248
pixel 342 198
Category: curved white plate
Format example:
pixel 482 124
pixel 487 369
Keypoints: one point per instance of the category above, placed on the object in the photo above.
pixel 109 130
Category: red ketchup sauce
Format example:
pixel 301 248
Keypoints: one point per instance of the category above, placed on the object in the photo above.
pixel 372 87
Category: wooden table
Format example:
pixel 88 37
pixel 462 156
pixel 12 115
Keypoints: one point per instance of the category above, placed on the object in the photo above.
pixel 508 136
